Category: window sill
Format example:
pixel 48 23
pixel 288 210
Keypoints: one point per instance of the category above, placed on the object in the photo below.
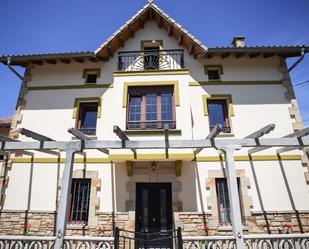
pixel 77 226
pixel 228 228
pixel 151 132
pixel 226 135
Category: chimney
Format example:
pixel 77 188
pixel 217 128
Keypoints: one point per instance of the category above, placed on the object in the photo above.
pixel 238 41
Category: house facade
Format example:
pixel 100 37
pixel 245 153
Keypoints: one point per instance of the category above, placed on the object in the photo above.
pixel 153 78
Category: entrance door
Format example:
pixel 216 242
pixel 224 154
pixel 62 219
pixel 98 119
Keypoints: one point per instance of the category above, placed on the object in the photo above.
pixel 154 215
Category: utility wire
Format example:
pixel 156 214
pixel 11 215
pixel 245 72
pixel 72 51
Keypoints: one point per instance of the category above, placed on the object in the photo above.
pixel 302 83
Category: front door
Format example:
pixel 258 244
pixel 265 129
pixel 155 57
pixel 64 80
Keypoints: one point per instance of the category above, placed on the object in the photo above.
pixel 154 214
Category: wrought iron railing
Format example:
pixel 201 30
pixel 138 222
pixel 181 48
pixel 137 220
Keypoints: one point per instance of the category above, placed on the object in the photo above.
pixel 70 242
pixel 258 241
pixel 151 60
pixel 125 240
pixel 156 125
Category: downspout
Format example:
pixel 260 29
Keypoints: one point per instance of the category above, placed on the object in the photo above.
pixel 9 60
pixel 302 56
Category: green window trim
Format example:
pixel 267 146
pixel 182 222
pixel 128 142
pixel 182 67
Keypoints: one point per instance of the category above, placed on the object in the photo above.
pixel 83 100
pixel 97 71
pixel 208 67
pixel 126 85
pixel 227 97
pixel 160 42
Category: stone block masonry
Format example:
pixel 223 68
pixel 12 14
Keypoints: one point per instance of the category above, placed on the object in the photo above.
pixel 191 223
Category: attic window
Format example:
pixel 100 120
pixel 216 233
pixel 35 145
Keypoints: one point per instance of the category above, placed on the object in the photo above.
pixel 214 72
pixel 91 75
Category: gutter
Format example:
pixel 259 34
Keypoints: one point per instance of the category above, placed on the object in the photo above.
pixel 302 56
pixel 9 60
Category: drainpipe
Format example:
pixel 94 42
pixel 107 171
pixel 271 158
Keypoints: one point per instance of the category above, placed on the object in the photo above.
pixel 9 60
pixel 302 56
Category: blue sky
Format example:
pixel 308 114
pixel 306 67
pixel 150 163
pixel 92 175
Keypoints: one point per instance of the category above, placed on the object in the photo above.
pixel 36 26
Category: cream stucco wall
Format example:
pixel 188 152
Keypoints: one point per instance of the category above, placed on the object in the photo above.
pixel 50 112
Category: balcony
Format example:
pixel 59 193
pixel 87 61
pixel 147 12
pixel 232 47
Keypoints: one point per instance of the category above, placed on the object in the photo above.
pixel 172 59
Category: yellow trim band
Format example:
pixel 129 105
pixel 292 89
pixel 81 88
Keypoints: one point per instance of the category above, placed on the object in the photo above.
pixel 68 87
pixel 227 97
pixel 82 100
pixel 185 157
pixel 247 82
pixel 150 83
pixel 152 72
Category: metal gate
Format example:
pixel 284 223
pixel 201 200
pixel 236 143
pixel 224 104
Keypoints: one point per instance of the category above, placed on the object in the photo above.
pixel 170 239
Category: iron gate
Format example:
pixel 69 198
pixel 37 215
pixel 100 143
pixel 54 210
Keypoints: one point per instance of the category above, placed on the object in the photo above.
pixel 170 239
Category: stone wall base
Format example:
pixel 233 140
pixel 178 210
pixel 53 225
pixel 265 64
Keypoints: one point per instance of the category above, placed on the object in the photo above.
pixel 191 223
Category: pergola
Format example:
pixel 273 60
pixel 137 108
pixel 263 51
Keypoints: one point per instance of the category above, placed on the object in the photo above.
pixel 254 141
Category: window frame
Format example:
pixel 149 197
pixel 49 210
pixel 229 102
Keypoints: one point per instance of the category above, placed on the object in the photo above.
pixel 218 68
pixel 71 201
pixel 143 91
pixel 81 106
pixel 226 124
pixel 91 71
pixel 224 179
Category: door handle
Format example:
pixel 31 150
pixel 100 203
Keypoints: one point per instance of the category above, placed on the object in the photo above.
pixel 153 219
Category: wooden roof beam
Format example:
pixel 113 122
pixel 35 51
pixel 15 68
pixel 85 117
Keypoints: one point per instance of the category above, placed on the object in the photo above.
pixel 37 62
pixel 180 38
pixel 254 55
pixel 79 60
pixel 159 21
pixel 142 22
pixel 223 56
pixel 65 61
pixel 110 50
pixel 239 55
pixel 51 61
pixel 131 29
pixel 268 55
pixel 150 14
pixel 191 48
pixel 170 30
pixel 121 40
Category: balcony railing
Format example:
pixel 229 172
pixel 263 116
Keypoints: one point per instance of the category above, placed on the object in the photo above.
pixel 147 125
pixel 254 241
pixel 151 60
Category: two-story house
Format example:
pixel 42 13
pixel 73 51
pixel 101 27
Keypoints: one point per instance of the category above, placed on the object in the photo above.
pixel 153 79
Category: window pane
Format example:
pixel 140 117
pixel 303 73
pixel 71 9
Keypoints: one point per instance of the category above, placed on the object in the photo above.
pixel 167 109
pixel 80 192
pixel 91 78
pixel 88 118
pixel 151 110
pixel 217 114
pixel 135 112
pixel 213 75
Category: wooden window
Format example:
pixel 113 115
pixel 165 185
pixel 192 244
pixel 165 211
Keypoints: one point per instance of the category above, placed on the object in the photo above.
pixel 91 78
pixel 224 208
pixel 218 114
pixel 87 117
pixel 91 75
pixel 151 108
pixel 213 74
pixel 1 157
pixel 79 199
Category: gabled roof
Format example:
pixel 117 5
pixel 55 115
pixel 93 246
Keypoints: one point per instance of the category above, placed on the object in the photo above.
pixel 151 12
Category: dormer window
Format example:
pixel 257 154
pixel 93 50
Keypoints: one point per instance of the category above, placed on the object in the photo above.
pixel 214 72
pixel 91 75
